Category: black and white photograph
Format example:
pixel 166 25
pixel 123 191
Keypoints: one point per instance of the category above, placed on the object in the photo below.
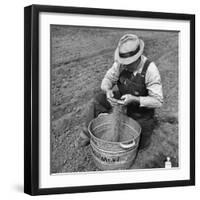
pixel 109 98
pixel 114 99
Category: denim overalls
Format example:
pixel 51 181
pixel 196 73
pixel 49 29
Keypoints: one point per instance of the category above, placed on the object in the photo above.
pixel 129 83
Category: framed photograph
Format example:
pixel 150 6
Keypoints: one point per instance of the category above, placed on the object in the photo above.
pixel 109 99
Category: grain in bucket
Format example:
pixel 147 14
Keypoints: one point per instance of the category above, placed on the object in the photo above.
pixel 109 155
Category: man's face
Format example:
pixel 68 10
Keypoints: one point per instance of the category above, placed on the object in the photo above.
pixel 133 66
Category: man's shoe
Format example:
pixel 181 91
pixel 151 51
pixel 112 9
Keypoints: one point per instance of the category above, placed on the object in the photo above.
pixel 83 139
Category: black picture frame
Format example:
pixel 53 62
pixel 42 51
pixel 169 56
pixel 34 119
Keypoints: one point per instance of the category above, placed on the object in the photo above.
pixel 31 98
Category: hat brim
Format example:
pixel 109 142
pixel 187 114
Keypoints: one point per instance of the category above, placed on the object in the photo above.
pixel 129 60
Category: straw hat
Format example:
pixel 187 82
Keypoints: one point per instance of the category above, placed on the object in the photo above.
pixel 129 49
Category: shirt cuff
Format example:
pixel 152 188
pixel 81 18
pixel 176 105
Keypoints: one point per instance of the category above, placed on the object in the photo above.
pixel 150 102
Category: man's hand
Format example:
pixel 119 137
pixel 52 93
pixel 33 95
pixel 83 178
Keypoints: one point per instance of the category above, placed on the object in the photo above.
pixel 128 98
pixel 110 97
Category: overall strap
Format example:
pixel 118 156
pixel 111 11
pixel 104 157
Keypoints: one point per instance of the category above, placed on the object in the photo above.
pixel 145 67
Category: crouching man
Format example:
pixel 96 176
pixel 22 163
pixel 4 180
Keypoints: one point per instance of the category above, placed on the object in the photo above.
pixel 138 87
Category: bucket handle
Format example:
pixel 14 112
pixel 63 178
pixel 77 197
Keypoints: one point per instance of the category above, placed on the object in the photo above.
pixel 128 145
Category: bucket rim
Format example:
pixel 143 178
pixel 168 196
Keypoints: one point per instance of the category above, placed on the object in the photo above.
pixel 92 135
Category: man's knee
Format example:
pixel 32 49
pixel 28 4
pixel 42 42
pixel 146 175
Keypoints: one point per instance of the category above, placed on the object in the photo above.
pixel 100 98
pixel 147 126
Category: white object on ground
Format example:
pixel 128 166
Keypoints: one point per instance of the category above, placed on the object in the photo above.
pixel 168 163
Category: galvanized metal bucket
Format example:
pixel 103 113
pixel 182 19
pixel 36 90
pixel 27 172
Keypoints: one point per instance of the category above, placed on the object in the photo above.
pixel 113 155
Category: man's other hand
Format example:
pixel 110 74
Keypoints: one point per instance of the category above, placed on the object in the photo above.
pixel 128 98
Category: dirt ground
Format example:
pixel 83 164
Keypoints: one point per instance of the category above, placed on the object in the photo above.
pixel 80 57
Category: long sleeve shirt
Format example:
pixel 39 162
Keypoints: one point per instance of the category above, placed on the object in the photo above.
pixel 152 81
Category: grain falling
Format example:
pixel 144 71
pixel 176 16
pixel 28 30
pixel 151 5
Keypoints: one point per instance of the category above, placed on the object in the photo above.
pixel 113 134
